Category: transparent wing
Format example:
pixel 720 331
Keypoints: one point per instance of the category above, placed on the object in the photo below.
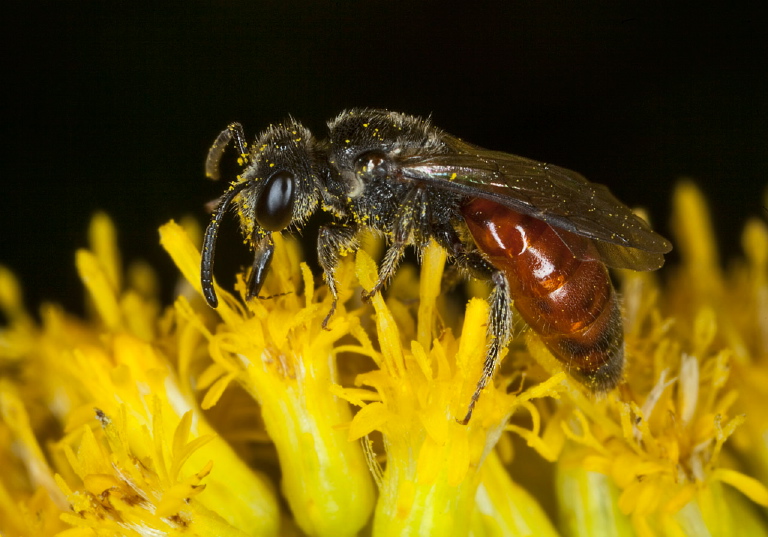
pixel 559 197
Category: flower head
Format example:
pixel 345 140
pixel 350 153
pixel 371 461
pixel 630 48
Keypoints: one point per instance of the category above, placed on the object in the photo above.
pixel 105 424
pixel 658 444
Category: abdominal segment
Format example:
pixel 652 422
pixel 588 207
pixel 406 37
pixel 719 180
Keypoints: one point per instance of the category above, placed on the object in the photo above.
pixel 569 302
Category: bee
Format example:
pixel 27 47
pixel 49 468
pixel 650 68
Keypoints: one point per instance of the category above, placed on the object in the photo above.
pixel 541 235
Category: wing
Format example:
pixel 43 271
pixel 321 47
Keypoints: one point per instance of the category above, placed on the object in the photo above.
pixel 560 197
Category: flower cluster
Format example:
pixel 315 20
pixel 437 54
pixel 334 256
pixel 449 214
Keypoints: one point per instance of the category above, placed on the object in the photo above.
pixel 253 419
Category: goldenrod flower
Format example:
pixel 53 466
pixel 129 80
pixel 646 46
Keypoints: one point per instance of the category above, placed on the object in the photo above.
pixel 254 420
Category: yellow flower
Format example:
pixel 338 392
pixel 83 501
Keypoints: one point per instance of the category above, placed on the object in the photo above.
pixel 655 448
pixel 105 425
pixel 254 420
pixel 277 350
pixel 423 380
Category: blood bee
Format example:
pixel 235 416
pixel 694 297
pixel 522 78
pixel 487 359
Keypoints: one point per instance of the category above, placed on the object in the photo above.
pixel 540 234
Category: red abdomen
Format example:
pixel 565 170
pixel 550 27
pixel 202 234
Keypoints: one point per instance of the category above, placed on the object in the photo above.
pixel 569 302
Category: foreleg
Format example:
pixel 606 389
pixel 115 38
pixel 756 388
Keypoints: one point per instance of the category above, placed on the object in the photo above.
pixel 264 250
pixel 334 241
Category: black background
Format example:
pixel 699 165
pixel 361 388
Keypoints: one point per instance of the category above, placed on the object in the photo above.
pixel 112 105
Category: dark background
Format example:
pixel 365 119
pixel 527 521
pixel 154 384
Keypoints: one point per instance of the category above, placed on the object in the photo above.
pixel 112 105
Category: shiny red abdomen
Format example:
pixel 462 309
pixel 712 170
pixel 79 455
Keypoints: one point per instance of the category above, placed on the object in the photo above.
pixel 568 301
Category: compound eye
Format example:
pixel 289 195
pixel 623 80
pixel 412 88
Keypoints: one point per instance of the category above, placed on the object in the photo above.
pixel 372 164
pixel 274 207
